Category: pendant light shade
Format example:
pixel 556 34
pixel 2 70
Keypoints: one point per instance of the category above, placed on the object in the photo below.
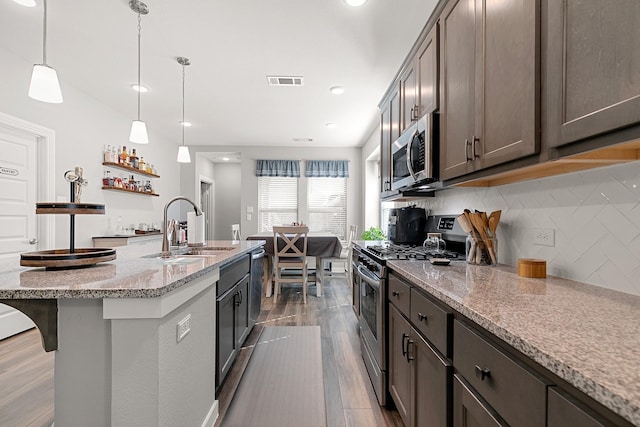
pixel 183 150
pixel 44 79
pixel 183 154
pixel 44 84
pixel 139 133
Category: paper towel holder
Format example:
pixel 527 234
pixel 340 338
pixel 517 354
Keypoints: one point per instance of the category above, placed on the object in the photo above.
pixel 166 252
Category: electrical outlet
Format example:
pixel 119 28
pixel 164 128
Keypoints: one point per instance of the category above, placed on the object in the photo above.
pixel 544 237
pixel 184 326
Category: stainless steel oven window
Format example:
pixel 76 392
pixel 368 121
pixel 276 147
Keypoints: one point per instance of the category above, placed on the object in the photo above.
pixel 369 295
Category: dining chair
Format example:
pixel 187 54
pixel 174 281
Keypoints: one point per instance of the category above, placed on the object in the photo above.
pixel 290 251
pixel 235 231
pixel 345 254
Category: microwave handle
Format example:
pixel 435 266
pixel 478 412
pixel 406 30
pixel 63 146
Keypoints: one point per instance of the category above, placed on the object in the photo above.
pixel 409 162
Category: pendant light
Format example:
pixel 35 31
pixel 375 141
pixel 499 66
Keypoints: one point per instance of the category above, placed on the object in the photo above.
pixel 183 150
pixel 44 79
pixel 138 127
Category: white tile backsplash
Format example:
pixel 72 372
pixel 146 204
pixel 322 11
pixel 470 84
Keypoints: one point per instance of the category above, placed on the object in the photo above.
pixel 595 214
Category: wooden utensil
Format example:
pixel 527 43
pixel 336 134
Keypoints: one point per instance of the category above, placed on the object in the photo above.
pixel 468 228
pixel 494 219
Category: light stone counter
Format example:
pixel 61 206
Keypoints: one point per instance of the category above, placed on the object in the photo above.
pixel 130 275
pixel 587 335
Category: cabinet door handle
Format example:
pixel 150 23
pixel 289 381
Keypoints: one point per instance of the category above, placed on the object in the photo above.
pixel 475 140
pixel 417 111
pixel 422 317
pixel 409 356
pixel 405 337
pixel 238 297
pixel 395 293
pixel 482 373
pixel 467 145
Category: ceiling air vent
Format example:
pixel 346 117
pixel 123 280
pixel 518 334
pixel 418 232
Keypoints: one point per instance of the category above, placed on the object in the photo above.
pixel 285 80
pixel 302 139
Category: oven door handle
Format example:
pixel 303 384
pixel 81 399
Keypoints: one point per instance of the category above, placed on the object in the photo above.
pixel 374 283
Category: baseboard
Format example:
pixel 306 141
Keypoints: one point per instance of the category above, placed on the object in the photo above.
pixel 212 415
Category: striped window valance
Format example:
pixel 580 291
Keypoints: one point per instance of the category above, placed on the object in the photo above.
pixel 327 168
pixel 288 168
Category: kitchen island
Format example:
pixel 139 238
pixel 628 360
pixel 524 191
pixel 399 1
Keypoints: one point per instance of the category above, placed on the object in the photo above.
pixel 134 338
pixel 578 336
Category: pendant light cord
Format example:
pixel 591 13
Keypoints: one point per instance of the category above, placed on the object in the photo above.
pixel 183 105
pixel 139 87
pixel 44 34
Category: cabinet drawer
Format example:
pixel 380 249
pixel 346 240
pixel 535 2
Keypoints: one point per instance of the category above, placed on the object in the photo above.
pixel 564 411
pixel 432 321
pixel 516 393
pixel 230 274
pixel 399 294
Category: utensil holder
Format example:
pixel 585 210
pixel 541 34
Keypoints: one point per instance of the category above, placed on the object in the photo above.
pixel 481 250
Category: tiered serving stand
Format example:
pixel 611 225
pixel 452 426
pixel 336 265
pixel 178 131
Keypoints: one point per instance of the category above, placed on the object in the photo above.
pixel 61 259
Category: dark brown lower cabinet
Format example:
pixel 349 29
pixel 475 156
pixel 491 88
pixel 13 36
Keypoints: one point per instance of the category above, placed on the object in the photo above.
pixel 469 410
pixel 419 377
pixel 233 322
pixel 563 410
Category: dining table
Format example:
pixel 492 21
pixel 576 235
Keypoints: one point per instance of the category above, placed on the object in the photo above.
pixel 320 245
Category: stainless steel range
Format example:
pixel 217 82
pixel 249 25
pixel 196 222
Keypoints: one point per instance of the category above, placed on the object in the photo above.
pixel 370 291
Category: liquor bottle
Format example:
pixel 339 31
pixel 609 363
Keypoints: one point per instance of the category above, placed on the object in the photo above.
pixel 133 159
pixel 142 164
pixel 106 154
pixel 106 180
pixel 124 156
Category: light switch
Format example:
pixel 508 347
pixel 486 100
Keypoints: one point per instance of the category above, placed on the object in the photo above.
pixel 249 210
pixel 248 217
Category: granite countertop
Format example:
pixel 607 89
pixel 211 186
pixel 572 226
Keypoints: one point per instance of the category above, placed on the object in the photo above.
pixel 587 335
pixel 133 274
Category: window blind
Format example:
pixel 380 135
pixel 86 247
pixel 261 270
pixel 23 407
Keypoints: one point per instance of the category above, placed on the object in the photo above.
pixel 277 201
pixel 327 205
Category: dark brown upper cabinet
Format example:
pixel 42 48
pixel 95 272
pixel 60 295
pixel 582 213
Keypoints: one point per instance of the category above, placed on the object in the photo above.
pixel 592 68
pixel 489 84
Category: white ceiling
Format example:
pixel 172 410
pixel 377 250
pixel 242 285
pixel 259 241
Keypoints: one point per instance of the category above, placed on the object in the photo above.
pixel 233 45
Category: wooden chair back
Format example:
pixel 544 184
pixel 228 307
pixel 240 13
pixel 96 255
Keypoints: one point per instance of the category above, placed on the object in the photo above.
pixel 290 241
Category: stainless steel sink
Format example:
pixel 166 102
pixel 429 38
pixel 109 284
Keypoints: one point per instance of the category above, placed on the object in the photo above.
pixel 194 251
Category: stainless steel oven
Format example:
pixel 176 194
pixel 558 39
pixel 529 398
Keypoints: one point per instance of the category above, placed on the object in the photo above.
pixel 414 154
pixel 369 279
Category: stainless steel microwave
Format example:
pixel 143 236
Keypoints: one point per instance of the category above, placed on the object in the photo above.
pixel 414 155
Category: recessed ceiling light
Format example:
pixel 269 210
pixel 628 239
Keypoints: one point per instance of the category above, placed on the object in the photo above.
pixel 140 88
pixel 355 2
pixel 185 124
pixel 331 125
pixel 336 90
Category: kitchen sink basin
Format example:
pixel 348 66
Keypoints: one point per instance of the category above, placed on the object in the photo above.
pixel 185 253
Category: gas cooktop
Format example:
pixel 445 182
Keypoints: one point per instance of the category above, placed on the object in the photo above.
pixel 408 252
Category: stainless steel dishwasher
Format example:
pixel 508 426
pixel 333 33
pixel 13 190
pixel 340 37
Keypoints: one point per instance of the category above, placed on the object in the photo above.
pixel 255 288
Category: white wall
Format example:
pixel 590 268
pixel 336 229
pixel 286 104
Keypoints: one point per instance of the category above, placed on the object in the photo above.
pixel 371 183
pixel 83 126
pixel 227 199
pixel 595 215
pixel 249 185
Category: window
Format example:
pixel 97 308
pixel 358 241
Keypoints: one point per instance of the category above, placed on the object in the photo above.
pixel 277 201
pixel 327 205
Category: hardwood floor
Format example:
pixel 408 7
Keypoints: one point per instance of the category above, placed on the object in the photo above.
pixel 350 400
pixel 26 371
pixel 26 381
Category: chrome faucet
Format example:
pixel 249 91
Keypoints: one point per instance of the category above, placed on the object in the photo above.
pixel 166 234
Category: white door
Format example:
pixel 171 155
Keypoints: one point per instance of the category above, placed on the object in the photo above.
pixel 19 177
